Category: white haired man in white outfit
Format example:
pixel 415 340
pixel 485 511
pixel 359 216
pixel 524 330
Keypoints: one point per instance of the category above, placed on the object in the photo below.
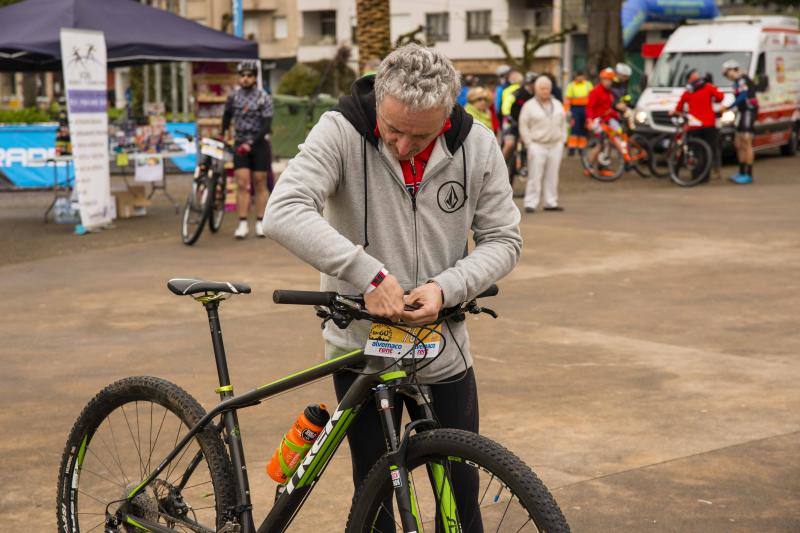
pixel 543 129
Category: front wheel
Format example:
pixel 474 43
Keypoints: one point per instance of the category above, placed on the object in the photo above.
pixel 690 162
pixel 461 481
pixel 602 159
pixel 639 149
pixel 120 437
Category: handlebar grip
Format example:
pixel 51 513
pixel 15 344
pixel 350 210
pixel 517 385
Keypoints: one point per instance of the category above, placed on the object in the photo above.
pixel 303 297
pixel 493 290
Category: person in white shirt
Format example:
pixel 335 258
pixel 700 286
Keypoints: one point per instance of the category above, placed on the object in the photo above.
pixel 543 129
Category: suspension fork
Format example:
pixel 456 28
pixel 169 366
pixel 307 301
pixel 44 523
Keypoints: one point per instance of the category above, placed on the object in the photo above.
pixel 398 471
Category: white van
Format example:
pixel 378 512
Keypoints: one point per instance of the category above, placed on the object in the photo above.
pixel 767 48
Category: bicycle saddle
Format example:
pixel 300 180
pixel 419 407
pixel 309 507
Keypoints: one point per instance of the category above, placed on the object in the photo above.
pixel 187 286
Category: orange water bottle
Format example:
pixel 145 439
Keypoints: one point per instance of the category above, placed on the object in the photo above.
pixel 296 443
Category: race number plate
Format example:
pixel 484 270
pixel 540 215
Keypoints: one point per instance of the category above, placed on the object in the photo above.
pixel 389 341
pixel 212 148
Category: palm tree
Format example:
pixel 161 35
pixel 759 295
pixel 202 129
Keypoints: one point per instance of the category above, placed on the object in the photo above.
pixel 372 30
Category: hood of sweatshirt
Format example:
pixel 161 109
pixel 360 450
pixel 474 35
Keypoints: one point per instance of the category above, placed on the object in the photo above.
pixel 359 109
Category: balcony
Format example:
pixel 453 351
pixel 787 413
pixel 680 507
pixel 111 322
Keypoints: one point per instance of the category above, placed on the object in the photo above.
pixel 260 5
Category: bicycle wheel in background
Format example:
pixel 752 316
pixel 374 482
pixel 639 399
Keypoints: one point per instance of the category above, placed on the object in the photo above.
pixel 690 163
pixel 119 438
pixel 639 149
pixel 510 496
pixel 218 211
pixel 609 164
pixel 196 210
pixel 659 149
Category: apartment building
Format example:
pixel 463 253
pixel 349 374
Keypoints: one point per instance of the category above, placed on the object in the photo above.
pixel 461 30
pixel 274 24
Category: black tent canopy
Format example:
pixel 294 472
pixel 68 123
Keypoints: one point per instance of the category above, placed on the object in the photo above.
pixel 135 34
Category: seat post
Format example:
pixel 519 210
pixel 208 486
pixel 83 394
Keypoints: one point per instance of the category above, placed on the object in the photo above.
pixel 212 308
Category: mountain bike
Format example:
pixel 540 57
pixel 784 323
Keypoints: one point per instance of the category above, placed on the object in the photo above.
pixel 617 152
pixel 686 159
pixel 206 200
pixel 145 456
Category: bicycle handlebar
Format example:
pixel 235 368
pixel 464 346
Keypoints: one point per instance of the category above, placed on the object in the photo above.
pixel 327 298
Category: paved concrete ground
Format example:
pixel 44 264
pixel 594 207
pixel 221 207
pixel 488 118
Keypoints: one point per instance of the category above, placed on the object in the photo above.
pixel 645 362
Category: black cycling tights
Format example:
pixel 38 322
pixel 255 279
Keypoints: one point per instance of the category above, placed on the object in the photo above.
pixel 455 406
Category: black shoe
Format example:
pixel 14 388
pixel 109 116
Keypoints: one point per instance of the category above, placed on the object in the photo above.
pixel 530 210
pixel 554 208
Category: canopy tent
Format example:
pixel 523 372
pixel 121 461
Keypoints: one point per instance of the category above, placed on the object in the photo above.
pixel 134 33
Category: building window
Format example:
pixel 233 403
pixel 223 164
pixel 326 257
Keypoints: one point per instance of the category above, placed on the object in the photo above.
pixel 479 24
pixel 280 29
pixel 437 26
pixel 327 23
pixel 250 27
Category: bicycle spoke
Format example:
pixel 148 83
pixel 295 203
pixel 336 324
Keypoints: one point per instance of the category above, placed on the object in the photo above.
pixel 91 451
pixel 84 469
pixel 524 524
pixel 114 442
pixel 92 497
pixel 504 514
pixel 138 452
pixel 98 525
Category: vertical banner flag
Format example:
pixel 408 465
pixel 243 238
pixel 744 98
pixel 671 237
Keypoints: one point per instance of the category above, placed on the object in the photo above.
pixel 238 18
pixel 83 58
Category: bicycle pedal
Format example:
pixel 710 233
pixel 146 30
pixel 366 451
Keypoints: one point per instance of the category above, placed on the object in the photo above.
pixel 230 527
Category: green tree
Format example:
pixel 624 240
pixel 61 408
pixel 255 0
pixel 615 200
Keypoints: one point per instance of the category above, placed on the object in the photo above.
pixel 301 80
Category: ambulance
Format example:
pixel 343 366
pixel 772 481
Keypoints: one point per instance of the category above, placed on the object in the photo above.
pixel 768 50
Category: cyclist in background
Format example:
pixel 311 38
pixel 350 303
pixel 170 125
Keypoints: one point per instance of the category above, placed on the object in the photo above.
pixel 249 110
pixel 698 101
pixel 575 104
pixel 746 103
pixel 522 95
pixel 600 110
pixel 510 131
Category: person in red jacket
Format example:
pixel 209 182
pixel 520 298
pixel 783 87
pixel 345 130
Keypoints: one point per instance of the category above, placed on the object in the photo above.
pixel 600 110
pixel 698 102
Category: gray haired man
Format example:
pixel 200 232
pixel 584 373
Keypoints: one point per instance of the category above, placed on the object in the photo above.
pixel 381 200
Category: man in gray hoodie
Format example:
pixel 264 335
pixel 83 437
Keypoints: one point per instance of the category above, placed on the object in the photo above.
pixel 381 200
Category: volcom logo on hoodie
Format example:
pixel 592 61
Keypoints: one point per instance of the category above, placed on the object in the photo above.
pixel 451 196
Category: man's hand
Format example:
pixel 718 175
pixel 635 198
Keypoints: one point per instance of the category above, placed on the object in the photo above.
pixel 243 149
pixel 386 300
pixel 428 300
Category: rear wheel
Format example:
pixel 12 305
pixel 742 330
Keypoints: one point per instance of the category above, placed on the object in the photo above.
pixel 197 209
pixel 506 495
pixel 639 149
pixel 689 163
pixel 659 149
pixel 218 211
pixel 120 437
pixel 608 165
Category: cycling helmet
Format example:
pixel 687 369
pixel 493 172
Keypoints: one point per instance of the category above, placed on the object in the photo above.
pixel 502 70
pixel 530 77
pixel 247 66
pixel 623 70
pixel 730 64
pixel 608 74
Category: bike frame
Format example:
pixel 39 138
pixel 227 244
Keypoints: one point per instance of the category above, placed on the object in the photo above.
pixel 383 386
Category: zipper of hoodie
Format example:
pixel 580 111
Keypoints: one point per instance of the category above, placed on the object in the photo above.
pixel 415 190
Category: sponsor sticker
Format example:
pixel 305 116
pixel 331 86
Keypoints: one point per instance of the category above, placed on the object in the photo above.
pixel 419 343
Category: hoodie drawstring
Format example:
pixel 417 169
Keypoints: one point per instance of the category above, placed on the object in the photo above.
pixel 366 208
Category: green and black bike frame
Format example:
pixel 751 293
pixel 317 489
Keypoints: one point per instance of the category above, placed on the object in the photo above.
pixel 382 387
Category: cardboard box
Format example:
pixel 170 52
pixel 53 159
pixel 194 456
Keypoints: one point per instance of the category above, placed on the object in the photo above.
pixel 139 195
pixel 124 202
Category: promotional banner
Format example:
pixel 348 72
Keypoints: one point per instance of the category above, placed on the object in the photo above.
pixel 83 57
pixel 634 13
pixel 23 152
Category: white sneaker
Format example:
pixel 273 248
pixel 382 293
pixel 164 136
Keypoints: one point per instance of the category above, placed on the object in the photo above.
pixel 260 229
pixel 242 230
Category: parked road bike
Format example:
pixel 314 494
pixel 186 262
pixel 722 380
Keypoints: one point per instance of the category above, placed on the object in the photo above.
pixel 686 159
pixel 617 153
pixel 206 200
pixel 145 456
